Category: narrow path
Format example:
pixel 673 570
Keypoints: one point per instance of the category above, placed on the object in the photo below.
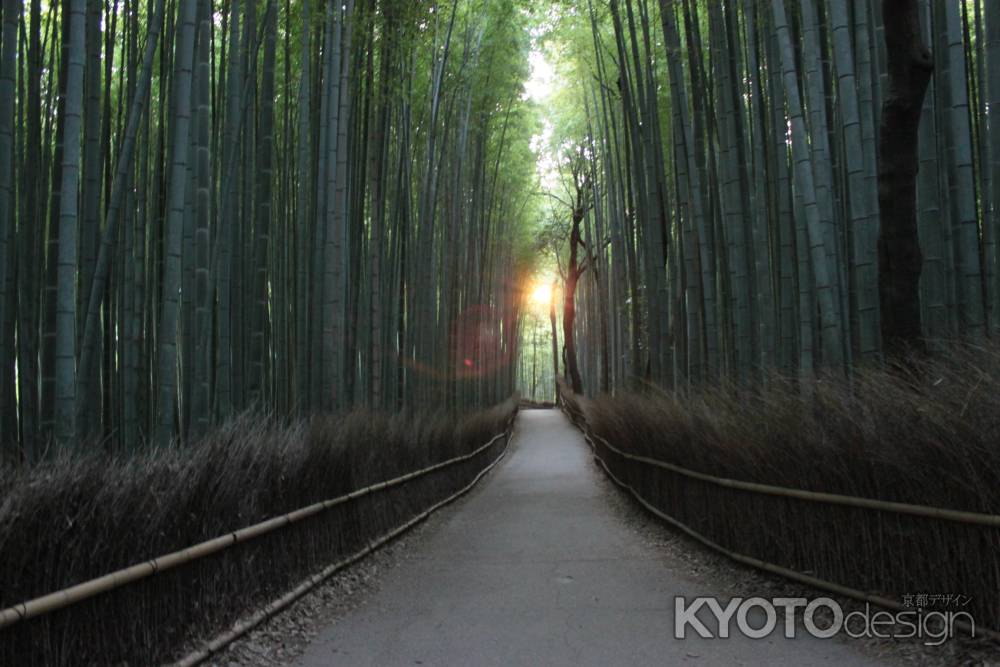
pixel 536 569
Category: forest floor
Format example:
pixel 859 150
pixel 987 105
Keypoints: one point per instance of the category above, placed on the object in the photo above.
pixel 546 562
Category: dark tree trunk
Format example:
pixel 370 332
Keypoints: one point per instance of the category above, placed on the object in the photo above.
pixel 569 302
pixel 910 65
pixel 555 336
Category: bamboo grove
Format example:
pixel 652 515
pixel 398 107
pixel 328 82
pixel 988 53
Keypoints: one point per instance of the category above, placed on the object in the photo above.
pixel 212 206
pixel 730 171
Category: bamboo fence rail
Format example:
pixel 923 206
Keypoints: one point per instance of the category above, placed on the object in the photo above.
pixel 111 581
pixel 246 625
pixel 971 518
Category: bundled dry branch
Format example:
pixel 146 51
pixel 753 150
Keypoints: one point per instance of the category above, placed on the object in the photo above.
pixel 77 519
pixel 927 439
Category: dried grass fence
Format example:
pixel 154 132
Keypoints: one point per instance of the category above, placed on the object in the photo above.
pixel 813 488
pixel 311 494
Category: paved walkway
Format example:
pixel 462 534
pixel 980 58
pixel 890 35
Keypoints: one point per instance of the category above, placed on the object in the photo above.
pixel 535 568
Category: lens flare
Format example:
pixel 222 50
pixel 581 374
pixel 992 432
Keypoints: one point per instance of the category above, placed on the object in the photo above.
pixel 541 294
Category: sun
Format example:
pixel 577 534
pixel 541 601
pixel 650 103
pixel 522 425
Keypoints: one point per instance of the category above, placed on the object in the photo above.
pixel 541 294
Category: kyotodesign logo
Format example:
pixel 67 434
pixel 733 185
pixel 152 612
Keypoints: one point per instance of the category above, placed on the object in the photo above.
pixel 758 617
